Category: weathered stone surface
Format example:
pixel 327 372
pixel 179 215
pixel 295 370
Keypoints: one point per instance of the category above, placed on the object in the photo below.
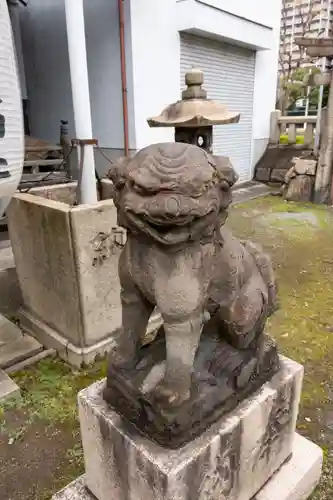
pixel 8 388
pixel 300 188
pixel 14 345
pixel 18 350
pixel 45 262
pixel 263 174
pixel 76 490
pixel 68 272
pixel 280 158
pixel 9 332
pixel 217 387
pixel 298 477
pixel 290 175
pixel 233 459
pixel 94 233
pixel 304 166
pixel 73 354
pixel 64 193
pixel 278 175
pixel 295 480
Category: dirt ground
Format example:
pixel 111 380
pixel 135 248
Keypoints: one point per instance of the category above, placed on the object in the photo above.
pixel 40 448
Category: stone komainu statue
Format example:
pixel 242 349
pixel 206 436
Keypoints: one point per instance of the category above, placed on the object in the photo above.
pixel 173 198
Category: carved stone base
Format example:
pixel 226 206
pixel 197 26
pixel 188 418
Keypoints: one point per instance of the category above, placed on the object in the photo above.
pixel 232 460
pixel 224 377
pixel 295 480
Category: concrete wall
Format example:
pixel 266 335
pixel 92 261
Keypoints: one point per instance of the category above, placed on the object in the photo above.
pixel 156 85
pixel 47 68
pixel 256 11
pixel 156 64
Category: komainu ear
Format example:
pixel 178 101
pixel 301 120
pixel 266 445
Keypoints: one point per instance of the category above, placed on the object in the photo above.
pixel 117 173
pixel 226 170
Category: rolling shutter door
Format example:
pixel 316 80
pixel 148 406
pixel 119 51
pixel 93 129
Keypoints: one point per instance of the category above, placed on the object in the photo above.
pixel 229 78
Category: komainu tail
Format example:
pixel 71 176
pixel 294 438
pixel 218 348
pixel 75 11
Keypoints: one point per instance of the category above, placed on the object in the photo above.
pixel 265 267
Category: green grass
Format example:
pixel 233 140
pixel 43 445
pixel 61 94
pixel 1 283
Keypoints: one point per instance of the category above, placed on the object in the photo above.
pixel 49 392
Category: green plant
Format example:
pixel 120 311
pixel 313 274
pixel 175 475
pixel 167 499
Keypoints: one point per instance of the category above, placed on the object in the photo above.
pixel 284 139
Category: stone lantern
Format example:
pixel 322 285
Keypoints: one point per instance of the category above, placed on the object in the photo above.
pixel 194 116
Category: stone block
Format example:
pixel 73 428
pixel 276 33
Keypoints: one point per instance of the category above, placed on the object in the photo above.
pixel 262 174
pixel 300 188
pixel 40 233
pixel 304 166
pixel 67 269
pixel 8 388
pixel 18 350
pixel 232 460
pixel 295 480
pixel 299 476
pixel 278 174
pixel 65 193
pixel 94 233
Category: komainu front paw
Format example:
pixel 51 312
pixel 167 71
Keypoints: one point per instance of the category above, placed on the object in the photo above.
pixel 123 357
pixel 167 395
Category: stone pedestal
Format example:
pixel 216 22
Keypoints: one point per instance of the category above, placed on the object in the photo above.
pixel 232 460
pixel 252 453
pixel 295 480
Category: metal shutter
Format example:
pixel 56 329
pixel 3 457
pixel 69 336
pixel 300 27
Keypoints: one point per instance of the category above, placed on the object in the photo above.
pixel 229 78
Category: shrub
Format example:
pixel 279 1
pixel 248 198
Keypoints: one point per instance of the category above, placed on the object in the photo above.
pixel 284 139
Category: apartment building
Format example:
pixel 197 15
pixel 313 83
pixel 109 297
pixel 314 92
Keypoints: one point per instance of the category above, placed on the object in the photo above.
pixel 303 18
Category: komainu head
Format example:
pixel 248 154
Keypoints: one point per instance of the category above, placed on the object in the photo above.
pixel 173 193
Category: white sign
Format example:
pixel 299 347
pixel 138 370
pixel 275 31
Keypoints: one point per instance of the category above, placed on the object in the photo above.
pixel 11 115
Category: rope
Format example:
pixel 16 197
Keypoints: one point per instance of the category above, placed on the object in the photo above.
pixel 104 155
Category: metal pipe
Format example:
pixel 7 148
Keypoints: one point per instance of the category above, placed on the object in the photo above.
pixel 123 73
pixel 81 98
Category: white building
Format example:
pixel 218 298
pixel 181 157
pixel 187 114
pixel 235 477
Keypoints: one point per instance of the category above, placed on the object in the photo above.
pixel 235 43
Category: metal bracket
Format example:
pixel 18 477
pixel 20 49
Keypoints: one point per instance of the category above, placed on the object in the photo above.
pixel 84 142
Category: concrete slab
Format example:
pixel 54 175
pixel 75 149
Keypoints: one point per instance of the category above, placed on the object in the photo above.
pixel 14 345
pixel 6 255
pixel 248 191
pixel 8 388
pixel 9 331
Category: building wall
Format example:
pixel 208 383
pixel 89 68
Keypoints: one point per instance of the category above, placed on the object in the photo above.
pixel 155 28
pixel 152 31
pixel 255 11
pixel 48 77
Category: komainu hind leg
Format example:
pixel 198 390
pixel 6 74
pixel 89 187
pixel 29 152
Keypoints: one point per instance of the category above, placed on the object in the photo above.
pixel 243 327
